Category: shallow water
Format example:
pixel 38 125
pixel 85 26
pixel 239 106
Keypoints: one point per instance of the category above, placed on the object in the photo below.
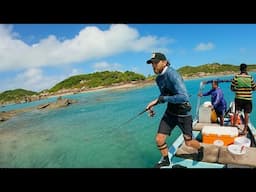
pixel 91 133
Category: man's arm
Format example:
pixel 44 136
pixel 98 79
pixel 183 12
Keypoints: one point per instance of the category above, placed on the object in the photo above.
pixel 208 93
pixel 218 80
pixel 178 98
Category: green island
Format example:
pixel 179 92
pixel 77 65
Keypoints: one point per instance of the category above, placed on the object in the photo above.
pixel 112 79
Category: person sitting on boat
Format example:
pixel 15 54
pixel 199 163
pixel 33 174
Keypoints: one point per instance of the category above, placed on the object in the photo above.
pixel 172 91
pixel 243 85
pixel 218 102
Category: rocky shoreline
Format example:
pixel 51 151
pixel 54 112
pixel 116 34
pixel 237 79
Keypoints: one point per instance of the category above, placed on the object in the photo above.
pixel 64 92
pixel 6 115
pixel 60 102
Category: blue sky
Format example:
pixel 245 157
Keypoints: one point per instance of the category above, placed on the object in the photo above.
pixel 37 56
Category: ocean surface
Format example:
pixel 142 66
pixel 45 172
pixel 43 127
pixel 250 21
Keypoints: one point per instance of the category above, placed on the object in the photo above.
pixel 101 130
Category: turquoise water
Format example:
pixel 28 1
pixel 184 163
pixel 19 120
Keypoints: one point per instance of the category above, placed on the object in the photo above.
pixel 91 133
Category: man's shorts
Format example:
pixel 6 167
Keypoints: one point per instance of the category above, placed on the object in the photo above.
pixel 241 104
pixel 220 113
pixel 170 121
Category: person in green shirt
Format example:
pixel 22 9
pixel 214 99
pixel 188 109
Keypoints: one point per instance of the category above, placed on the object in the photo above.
pixel 243 84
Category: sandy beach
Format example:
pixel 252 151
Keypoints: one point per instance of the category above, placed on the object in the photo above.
pixel 113 87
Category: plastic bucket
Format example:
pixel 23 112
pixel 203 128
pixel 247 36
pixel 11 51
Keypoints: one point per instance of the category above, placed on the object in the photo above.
pixel 242 141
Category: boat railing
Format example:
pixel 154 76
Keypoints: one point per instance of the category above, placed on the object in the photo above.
pixel 199 99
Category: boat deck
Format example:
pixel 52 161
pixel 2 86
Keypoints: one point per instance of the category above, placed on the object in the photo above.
pixel 215 142
pixel 214 156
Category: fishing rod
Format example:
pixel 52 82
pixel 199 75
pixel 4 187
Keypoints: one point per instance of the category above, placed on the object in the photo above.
pixel 128 121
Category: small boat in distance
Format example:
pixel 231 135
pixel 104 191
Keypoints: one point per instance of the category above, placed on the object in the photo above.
pixel 223 147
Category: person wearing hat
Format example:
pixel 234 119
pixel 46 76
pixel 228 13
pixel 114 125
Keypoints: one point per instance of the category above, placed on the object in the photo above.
pixel 243 85
pixel 173 92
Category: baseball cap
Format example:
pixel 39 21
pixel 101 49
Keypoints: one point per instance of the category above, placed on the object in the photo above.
pixel 156 57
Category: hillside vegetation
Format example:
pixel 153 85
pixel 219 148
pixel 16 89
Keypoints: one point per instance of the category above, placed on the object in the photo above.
pixel 15 95
pixel 109 78
pixel 105 78
pixel 208 69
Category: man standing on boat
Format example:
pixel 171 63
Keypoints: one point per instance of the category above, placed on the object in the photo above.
pixel 174 93
pixel 219 104
pixel 243 85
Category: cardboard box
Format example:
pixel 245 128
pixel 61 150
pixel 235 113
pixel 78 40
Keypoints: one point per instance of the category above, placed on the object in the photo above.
pixel 224 133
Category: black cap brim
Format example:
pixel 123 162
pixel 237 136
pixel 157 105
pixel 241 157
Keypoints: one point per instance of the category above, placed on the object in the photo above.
pixel 152 60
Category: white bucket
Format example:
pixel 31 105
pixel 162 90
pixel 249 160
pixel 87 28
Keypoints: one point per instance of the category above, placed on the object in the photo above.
pixel 242 141
pixel 237 149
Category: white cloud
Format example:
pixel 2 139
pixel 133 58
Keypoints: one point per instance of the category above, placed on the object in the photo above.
pixel 104 66
pixel 90 43
pixel 31 79
pixel 30 76
pixel 204 46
